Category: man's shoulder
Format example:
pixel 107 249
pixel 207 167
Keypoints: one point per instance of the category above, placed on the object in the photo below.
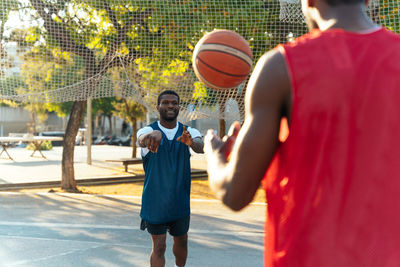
pixel 151 125
pixel 144 130
pixel 154 124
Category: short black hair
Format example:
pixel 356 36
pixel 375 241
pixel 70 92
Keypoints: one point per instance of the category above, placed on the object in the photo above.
pixel 343 2
pixel 167 92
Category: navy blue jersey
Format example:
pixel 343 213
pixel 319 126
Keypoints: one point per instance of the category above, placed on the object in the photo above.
pixel 166 191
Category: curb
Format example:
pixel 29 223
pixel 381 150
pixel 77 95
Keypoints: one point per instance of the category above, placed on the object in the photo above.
pixel 196 174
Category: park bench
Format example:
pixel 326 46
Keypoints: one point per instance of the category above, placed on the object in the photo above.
pixel 127 161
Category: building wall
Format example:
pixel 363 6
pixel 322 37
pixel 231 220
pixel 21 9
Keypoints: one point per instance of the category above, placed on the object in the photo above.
pixel 16 120
pixel 13 120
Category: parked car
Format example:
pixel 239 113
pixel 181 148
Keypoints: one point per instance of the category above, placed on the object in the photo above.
pixel 103 140
pixel 114 140
pixel 80 142
pixel 120 140
pixel 126 141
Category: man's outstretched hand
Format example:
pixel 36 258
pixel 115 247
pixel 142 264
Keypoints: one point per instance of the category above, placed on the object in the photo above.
pixel 185 138
pixel 152 141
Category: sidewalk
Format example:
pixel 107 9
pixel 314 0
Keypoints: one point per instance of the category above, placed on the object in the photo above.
pixel 26 169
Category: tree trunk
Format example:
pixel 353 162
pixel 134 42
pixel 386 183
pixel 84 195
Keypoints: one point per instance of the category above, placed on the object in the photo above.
pixel 67 175
pixel 133 140
pixel 96 125
pixel 103 122
pixel 58 31
pixel 110 123
pixel 33 127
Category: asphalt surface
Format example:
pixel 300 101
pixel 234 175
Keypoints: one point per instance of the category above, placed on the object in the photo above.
pixel 57 229
pixel 85 230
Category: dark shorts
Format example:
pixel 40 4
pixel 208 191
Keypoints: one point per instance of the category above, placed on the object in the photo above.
pixel 175 228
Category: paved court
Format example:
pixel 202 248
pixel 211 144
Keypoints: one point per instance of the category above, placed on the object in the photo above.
pixel 86 230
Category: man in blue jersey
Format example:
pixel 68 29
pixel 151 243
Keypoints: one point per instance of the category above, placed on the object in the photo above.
pixel 166 192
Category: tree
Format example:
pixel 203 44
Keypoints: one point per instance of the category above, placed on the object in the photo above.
pixel 74 32
pixel 132 112
pixel 104 107
pixel 185 22
pixel 152 41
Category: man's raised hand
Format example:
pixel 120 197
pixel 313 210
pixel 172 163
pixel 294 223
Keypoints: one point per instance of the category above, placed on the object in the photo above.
pixel 215 148
pixel 185 138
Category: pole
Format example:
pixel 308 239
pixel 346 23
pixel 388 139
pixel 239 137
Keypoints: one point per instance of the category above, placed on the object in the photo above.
pixel 89 131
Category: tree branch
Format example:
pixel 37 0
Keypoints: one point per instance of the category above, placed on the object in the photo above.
pixel 57 31
pixel 120 61
pixel 112 17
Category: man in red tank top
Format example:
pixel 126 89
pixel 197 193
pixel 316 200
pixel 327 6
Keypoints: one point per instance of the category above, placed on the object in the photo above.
pixel 333 186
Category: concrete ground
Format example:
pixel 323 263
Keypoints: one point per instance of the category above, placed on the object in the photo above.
pixel 86 230
pixel 57 229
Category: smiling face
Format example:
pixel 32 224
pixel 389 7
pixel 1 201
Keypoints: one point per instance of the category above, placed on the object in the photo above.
pixel 168 108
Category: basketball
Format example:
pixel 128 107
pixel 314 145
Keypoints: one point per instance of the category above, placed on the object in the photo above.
pixel 222 59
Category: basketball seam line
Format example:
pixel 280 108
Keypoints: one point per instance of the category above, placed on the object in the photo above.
pixel 201 77
pixel 239 53
pixel 229 74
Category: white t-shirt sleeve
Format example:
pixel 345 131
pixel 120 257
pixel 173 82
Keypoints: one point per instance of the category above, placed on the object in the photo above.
pixel 144 130
pixel 194 132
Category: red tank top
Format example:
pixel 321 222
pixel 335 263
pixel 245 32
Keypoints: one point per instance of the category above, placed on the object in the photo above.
pixel 333 188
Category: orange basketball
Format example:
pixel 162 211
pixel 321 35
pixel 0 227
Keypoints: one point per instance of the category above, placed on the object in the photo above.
pixel 222 59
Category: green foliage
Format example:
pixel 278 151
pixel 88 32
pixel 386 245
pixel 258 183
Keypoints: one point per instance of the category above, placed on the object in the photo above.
pixel 180 24
pixel 9 85
pixel 47 69
pixel 104 106
pixel 8 103
pixel 38 111
pixel 46 145
pixel 390 14
pixel 159 35
pixel 61 109
pixel 129 110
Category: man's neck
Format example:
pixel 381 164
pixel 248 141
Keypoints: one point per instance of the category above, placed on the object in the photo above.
pixel 352 18
pixel 168 124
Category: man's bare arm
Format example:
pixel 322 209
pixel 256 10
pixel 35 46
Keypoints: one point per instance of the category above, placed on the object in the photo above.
pixel 268 92
pixel 197 144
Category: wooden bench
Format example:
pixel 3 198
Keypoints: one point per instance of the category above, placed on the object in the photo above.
pixel 127 161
